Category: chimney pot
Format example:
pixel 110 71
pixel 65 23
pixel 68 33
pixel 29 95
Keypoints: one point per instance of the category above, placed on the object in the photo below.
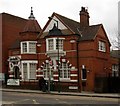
pixel 84 17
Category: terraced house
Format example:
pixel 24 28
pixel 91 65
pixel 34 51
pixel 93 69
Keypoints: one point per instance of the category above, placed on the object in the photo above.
pixel 67 53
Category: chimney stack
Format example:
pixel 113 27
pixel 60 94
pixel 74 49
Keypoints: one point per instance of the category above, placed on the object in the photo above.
pixel 84 17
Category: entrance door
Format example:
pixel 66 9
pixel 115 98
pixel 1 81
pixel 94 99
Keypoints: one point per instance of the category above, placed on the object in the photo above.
pixel 16 72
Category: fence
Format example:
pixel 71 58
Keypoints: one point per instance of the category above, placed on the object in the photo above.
pixel 107 83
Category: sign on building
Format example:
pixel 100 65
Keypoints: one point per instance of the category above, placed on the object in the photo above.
pixel 13 82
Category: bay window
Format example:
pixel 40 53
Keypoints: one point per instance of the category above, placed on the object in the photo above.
pixel 24 47
pixel 53 44
pixel 59 44
pixel 29 70
pixel 28 47
pixel 32 70
pixel 50 44
pixel 25 73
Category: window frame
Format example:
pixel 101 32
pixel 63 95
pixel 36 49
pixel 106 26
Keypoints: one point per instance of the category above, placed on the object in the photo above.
pixel 54 44
pixel 28 47
pixel 64 70
pixel 28 76
pixel 102 46
pixel 115 70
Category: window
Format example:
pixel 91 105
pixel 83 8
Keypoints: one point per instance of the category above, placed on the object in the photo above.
pixel 45 71
pixel 59 44
pixel 24 47
pixel 54 44
pixel 32 47
pixel 84 74
pixel 64 70
pixel 50 44
pixel 25 76
pixel 102 46
pixel 29 69
pixel 28 47
pixel 32 71
pixel 115 70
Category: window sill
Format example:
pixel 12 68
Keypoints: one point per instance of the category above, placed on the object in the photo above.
pixel 102 51
pixel 65 79
pixel 29 53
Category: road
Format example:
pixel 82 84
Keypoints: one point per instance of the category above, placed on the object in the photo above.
pixel 32 98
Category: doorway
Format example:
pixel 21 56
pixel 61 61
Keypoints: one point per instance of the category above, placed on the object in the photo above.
pixel 16 72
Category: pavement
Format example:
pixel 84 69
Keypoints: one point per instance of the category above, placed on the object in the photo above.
pixel 86 94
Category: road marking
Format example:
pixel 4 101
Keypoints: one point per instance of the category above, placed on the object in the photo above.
pixel 20 101
pixel 7 102
pixel 61 101
pixel 35 102
pixel 56 99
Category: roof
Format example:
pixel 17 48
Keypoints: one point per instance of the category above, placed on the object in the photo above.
pixel 15 45
pixel 73 25
pixel 86 33
pixel 115 53
pixel 90 32
pixel 32 26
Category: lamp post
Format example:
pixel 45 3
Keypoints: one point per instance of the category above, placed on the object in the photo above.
pixel 54 20
pixel 49 75
pixel 57 46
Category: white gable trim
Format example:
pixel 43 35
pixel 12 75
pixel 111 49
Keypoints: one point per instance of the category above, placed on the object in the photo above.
pixel 51 24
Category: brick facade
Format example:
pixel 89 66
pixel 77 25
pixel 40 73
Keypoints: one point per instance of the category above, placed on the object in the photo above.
pixel 84 52
pixel 10 27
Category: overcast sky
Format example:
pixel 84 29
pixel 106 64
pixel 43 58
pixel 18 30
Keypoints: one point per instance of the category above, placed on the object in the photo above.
pixel 101 11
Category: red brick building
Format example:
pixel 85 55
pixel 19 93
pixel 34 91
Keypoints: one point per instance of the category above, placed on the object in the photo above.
pixel 67 53
pixel 22 53
pixel 10 26
pixel 84 51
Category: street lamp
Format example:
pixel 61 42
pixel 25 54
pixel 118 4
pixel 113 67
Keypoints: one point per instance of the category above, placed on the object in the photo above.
pixel 57 46
pixel 54 20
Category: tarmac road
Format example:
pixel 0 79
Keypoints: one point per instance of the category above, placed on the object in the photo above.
pixel 14 98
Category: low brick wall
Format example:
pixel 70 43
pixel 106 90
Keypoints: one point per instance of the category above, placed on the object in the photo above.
pixel 55 86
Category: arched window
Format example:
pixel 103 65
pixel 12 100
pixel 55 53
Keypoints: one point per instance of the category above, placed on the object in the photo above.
pixel 47 71
pixel 64 70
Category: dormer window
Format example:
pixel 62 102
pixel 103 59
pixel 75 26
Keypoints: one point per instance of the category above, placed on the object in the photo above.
pixel 28 47
pixel 102 46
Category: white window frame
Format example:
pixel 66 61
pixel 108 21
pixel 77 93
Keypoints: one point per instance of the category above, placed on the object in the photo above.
pixel 28 68
pixel 60 43
pixel 47 71
pixel 62 71
pixel 54 44
pixel 115 70
pixel 32 70
pixel 28 47
pixel 102 46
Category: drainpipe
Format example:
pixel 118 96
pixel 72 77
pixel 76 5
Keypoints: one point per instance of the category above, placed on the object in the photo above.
pixel 77 60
